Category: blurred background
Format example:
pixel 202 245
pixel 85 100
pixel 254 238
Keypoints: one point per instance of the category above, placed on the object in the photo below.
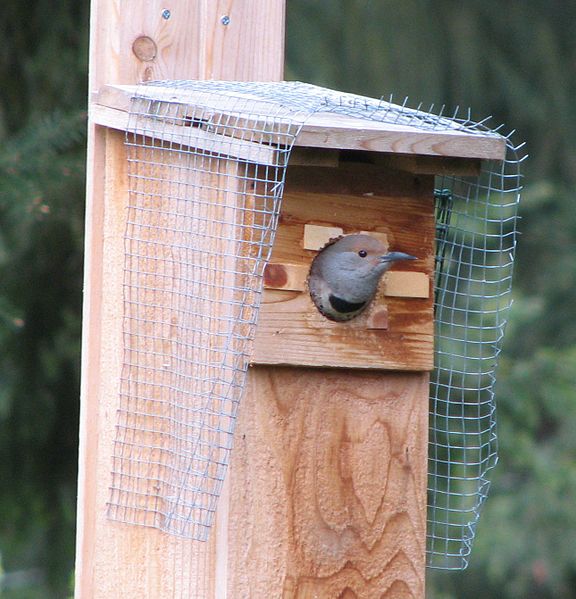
pixel 515 61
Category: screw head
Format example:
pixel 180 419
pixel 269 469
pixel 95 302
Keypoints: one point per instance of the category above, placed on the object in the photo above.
pixel 225 20
pixel 166 14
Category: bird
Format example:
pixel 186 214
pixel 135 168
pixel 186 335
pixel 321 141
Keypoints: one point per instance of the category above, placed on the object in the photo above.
pixel 344 275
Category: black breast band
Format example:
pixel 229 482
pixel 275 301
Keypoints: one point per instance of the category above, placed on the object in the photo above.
pixel 343 306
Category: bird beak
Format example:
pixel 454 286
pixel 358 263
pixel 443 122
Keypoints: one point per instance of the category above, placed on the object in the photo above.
pixel 394 256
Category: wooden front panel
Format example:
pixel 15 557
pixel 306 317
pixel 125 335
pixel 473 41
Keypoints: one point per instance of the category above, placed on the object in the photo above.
pixel 328 486
pixel 395 332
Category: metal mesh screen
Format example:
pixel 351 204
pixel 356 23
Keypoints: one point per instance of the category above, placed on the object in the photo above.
pixel 476 239
pixel 198 236
pixel 199 232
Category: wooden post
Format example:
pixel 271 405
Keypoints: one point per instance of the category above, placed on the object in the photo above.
pixel 132 41
pixel 326 493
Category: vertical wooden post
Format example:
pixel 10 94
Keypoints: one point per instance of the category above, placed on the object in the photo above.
pixel 132 41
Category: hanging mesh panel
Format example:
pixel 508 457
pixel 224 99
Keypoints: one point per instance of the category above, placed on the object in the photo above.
pixel 204 192
pixel 476 240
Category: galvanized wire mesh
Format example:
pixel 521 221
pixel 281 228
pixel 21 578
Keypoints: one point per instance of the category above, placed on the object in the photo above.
pixel 476 241
pixel 199 233
pixel 193 280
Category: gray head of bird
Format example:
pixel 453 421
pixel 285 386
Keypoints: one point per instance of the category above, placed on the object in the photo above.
pixel 352 266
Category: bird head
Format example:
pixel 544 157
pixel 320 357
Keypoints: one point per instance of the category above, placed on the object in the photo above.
pixel 354 264
pixel 349 268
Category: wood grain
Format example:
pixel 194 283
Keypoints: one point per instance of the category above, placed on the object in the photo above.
pixel 406 284
pixel 316 236
pixel 334 468
pixel 192 43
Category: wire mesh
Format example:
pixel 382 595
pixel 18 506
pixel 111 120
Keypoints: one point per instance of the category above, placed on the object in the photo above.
pixel 199 233
pixel 475 245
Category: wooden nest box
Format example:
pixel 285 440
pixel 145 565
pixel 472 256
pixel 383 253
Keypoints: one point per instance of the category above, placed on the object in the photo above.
pixel 326 492
pixel 345 175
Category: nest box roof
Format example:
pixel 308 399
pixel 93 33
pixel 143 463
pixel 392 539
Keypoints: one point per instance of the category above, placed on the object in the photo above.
pixel 327 119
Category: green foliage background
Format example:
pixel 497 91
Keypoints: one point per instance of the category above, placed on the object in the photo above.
pixel 514 60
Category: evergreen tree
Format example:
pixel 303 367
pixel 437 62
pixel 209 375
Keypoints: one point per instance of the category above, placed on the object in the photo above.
pixel 42 164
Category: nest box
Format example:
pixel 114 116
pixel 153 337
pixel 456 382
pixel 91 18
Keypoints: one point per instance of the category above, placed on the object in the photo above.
pixel 348 172
pixel 233 188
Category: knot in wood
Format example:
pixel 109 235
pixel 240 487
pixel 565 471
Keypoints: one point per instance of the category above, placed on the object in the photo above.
pixel 145 48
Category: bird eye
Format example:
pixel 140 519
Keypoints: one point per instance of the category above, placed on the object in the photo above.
pixel 362 253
